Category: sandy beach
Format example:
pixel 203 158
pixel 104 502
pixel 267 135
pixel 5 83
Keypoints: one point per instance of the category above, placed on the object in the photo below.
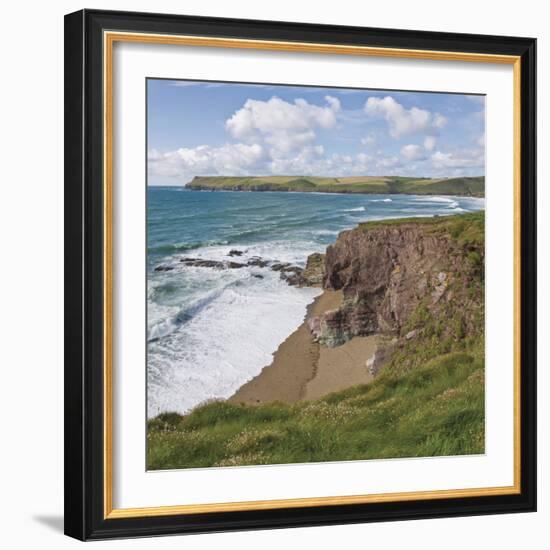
pixel 303 370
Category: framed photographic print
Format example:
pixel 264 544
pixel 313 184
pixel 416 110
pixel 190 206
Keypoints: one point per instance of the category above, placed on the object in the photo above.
pixel 300 274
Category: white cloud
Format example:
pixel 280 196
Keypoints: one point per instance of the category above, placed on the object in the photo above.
pixel 334 103
pixel 309 160
pixel 283 126
pixel 413 152
pixel 465 158
pixel 386 163
pixel 238 158
pixel 438 121
pixel 404 121
pixel 369 140
pixel 429 143
pixel 280 137
pixel 275 136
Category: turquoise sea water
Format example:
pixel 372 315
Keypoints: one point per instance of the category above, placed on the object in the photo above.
pixel 211 330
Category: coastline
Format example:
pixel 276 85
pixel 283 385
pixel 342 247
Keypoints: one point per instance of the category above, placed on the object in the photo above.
pixel 325 192
pixel 180 377
pixel 302 369
pixel 470 186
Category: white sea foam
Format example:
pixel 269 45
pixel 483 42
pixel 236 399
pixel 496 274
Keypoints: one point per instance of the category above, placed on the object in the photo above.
pixel 326 232
pixel 226 342
pixel 358 209
pixel 381 200
pixel 450 203
pixel 429 198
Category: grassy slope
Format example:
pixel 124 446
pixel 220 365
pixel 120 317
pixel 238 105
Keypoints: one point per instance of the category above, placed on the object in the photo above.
pixel 474 186
pixel 428 401
pixel 464 228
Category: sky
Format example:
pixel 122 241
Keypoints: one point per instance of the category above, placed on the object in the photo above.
pixel 231 129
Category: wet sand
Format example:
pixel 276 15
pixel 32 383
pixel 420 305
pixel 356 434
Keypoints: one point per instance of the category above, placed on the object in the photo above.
pixel 302 369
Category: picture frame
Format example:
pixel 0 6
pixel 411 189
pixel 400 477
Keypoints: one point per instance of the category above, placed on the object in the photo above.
pixel 90 162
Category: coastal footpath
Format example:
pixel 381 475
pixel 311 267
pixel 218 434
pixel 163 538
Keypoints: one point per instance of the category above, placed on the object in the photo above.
pixel 398 185
pixel 389 361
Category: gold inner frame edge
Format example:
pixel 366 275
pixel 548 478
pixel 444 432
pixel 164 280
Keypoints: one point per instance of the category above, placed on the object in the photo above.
pixel 109 39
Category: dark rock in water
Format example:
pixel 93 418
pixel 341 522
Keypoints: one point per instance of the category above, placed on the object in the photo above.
pixel 312 275
pixel 257 276
pixel 235 252
pixel 292 275
pixel 278 266
pixel 199 262
pixel 257 262
pixel 164 268
pixel 215 264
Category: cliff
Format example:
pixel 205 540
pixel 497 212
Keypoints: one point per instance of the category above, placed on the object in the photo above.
pixel 406 279
pixel 463 186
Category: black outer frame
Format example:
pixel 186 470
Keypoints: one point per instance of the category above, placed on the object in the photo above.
pixel 84 517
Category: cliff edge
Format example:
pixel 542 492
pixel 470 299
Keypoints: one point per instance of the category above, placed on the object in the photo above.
pixel 406 279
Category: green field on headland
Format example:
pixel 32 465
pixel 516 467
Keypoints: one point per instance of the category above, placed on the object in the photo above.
pixel 427 398
pixel 463 186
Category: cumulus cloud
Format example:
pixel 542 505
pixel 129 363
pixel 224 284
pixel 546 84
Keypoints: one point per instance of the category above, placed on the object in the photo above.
pixel 429 143
pixel 438 120
pixel 275 136
pixel 465 158
pixel 413 152
pixel 369 140
pixel 283 126
pixel 361 164
pixel 402 121
pixel 272 134
pixel 386 165
pixel 238 158
pixel 309 160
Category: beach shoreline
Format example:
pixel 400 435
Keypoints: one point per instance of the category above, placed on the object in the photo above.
pixel 303 369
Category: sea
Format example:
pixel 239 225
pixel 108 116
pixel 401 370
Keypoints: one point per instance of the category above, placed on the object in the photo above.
pixel 211 330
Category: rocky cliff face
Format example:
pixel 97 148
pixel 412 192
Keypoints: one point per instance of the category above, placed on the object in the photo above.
pixel 397 276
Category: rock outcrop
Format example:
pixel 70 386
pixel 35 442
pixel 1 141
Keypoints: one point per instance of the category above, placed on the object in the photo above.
pixel 394 274
pixel 312 275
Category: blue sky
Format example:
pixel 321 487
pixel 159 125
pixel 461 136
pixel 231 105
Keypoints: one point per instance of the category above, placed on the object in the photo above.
pixel 206 128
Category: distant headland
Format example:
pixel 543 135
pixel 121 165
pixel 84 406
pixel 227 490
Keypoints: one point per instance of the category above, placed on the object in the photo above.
pixel 461 186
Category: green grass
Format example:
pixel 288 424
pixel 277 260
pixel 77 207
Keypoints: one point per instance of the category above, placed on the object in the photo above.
pixel 469 186
pixel 437 409
pixel 466 229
